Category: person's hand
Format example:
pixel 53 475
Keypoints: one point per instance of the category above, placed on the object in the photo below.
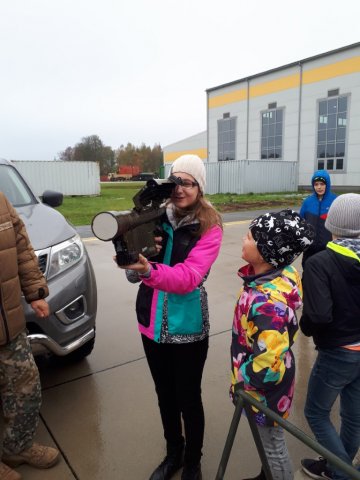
pixel 142 266
pixel 41 308
pixel 158 245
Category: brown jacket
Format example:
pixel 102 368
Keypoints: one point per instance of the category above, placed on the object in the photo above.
pixel 19 272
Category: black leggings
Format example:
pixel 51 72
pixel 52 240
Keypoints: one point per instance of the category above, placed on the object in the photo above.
pixel 177 371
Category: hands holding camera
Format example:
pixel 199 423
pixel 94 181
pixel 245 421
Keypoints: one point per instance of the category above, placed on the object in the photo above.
pixel 142 266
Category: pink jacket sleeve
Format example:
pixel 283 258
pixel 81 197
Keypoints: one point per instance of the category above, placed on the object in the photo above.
pixel 185 277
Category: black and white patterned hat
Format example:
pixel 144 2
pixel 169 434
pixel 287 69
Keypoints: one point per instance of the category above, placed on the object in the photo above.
pixel 281 236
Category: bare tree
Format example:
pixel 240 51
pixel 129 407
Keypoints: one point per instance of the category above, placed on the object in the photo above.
pixel 91 149
pixel 146 158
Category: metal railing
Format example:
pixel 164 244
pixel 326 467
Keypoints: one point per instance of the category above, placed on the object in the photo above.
pixel 244 401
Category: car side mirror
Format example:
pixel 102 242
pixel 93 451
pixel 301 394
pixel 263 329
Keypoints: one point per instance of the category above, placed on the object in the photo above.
pixel 51 198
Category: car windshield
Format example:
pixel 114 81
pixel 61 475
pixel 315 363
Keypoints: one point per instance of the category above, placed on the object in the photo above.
pixel 14 187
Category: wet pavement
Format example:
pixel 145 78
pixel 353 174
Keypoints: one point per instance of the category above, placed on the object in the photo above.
pixel 102 413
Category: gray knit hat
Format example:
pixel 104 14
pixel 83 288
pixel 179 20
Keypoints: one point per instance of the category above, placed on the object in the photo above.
pixel 343 219
pixel 192 165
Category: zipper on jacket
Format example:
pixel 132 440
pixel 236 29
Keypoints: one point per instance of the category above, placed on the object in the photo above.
pixel 4 319
pixel 317 240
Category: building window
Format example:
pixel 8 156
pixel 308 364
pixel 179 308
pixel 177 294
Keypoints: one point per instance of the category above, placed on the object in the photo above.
pixel 331 134
pixel 226 139
pixel 272 133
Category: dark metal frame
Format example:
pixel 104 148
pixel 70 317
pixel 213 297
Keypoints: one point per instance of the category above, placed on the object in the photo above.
pixel 244 401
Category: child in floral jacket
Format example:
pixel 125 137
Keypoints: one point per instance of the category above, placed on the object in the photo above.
pixel 265 324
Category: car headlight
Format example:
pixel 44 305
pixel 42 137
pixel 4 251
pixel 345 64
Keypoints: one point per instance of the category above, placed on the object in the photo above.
pixel 65 255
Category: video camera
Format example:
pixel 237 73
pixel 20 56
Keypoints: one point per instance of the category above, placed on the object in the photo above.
pixel 132 231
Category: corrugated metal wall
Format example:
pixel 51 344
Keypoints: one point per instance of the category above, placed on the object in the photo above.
pixel 69 178
pixel 247 176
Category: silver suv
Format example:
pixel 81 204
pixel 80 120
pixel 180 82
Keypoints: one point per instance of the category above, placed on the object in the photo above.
pixel 63 259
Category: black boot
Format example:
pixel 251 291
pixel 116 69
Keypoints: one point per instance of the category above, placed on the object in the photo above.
pixel 173 461
pixel 261 476
pixel 191 472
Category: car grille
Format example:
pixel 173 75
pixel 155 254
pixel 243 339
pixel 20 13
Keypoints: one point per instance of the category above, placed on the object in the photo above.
pixel 42 259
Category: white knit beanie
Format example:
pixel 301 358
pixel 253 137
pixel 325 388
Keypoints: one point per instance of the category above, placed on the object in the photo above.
pixel 343 219
pixel 192 165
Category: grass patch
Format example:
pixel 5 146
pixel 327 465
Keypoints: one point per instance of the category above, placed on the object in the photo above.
pixel 81 210
pixel 275 201
pixel 118 196
pixel 220 198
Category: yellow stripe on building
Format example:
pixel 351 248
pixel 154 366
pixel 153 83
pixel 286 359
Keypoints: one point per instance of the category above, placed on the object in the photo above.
pixel 277 85
pixel 170 157
pixel 264 88
pixel 231 97
pixel 344 67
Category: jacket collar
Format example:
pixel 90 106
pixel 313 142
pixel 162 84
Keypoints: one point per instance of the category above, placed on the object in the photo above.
pixel 177 222
pixel 248 275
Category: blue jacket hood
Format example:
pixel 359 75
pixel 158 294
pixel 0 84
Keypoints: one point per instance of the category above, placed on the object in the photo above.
pixel 323 174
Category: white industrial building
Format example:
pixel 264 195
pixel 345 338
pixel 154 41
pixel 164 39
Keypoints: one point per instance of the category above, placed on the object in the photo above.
pixel 306 112
pixel 195 144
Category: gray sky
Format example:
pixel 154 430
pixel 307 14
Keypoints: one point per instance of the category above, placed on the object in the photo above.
pixel 137 71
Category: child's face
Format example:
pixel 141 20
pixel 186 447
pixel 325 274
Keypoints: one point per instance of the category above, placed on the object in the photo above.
pixel 320 188
pixel 249 252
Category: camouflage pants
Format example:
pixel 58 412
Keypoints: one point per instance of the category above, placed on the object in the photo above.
pixel 20 394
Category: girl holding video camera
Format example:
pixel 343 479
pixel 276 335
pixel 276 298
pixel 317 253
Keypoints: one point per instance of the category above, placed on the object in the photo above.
pixel 173 316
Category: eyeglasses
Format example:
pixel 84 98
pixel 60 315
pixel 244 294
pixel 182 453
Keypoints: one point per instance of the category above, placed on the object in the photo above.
pixel 185 183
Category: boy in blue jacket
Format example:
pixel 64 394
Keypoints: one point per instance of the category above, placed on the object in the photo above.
pixel 315 209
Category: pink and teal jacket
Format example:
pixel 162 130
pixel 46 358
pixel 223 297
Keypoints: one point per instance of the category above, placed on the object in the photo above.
pixel 264 329
pixel 172 304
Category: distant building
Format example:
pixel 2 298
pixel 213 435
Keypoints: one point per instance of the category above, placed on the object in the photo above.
pixel 195 144
pixel 307 111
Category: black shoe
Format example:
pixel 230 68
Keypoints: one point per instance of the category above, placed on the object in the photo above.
pixel 192 472
pixel 316 468
pixel 261 476
pixel 169 466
